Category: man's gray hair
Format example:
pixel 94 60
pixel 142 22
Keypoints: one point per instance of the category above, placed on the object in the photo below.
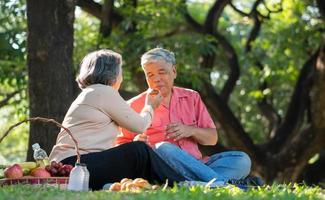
pixel 99 67
pixel 158 54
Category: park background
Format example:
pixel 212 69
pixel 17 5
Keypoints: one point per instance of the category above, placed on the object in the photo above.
pixel 257 64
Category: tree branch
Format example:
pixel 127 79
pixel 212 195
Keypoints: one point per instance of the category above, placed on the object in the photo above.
pixel 321 7
pixel 253 33
pixel 106 22
pixel 91 7
pixel 296 108
pixel 267 109
pixel 233 65
pixel 178 30
pixel 251 13
pixel 238 11
pixel 5 101
pixel 316 137
pixel 256 27
pixel 256 15
pixel 189 19
pixel 271 11
pixel 254 8
pixel 212 19
pixel 95 9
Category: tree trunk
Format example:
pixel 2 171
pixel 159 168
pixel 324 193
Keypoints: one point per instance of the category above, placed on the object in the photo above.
pixel 49 59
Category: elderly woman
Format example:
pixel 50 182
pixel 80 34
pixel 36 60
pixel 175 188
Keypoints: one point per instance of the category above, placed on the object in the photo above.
pixel 94 119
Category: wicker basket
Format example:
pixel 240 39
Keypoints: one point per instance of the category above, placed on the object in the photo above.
pixel 60 182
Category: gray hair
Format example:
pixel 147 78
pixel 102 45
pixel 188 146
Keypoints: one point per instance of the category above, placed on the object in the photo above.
pixel 99 67
pixel 158 54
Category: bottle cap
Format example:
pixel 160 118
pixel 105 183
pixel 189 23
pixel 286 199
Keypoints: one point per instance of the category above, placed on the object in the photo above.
pixel 35 146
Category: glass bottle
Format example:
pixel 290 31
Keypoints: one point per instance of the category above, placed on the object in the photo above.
pixel 40 156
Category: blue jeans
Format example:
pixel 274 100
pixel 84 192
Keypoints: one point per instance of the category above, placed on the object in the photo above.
pixel 221 166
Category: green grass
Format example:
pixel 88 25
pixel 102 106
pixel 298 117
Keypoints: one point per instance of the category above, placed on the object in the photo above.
pixel 276 192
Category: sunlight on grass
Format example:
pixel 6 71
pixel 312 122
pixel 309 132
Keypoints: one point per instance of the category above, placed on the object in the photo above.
pixel 278 192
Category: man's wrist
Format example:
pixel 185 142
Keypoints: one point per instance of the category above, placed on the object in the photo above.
pixel 192 130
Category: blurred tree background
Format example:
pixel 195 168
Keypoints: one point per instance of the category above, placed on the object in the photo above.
pixel 258 65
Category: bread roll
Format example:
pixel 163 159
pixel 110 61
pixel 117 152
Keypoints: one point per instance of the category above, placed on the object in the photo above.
pixel 124 180
pixel 115 187
pixel 140 182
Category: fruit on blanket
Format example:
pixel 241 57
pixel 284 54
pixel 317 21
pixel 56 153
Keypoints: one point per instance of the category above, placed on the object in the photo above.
pixel 40 172
pixel 14 171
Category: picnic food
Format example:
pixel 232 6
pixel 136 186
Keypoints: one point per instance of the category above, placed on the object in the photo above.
pixel 58 169
pixel 115 187
pixel 130 185
pixel 153 92
pixel 31 172
pixel 14 171
pixel 40 172
pixel 27 165
pixel 21 169
pixel 124 180
pixel 140 182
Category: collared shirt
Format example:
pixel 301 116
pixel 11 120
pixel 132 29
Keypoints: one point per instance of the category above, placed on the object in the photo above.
pixel 185 107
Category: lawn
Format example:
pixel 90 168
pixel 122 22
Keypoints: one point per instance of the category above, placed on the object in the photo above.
pixel 276 192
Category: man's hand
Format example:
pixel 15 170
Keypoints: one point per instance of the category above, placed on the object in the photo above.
pixel 141 137
pixel 178 131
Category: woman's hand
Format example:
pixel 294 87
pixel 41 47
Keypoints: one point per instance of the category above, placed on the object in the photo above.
pixel 153 98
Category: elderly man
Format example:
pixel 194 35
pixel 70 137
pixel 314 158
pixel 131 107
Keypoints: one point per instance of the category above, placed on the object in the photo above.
pixel 180 123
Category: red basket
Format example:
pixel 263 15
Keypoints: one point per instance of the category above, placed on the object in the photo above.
pixel 61 182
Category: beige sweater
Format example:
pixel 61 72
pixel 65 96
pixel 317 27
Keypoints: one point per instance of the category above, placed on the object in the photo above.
pixel 94 119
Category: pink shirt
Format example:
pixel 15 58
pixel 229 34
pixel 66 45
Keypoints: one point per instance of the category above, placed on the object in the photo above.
pixel 185 107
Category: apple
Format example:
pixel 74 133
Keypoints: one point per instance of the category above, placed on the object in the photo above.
pixel 14 171
pixel 40 172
